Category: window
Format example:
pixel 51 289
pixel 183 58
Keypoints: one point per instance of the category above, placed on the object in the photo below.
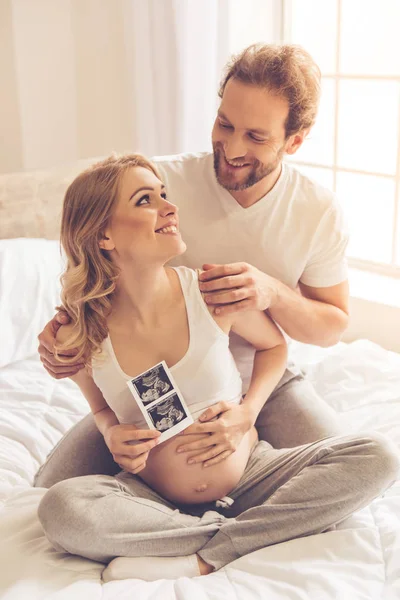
pixel 354 146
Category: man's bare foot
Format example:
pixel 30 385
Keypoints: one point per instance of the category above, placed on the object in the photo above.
pixel 204 567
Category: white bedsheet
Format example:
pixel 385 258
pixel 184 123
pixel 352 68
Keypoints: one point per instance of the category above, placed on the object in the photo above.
pixel 359 560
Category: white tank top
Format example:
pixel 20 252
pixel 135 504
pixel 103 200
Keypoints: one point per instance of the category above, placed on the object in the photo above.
pixel 206 374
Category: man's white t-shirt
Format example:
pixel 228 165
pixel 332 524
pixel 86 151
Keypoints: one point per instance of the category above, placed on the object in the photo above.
pixel 295 233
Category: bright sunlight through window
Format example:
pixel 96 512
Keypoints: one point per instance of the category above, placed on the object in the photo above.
pixel 354 146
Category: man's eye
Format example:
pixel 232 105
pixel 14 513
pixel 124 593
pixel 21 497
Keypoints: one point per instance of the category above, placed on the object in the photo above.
pixel 164 195
pixel 143 200
pixel 255 138
pixel 225 126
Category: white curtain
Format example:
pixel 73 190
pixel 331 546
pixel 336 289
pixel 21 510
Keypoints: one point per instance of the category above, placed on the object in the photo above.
pixel 81 78
pixel 84 77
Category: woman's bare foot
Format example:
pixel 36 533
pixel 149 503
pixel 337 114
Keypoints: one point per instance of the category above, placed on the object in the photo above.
pixel 204 567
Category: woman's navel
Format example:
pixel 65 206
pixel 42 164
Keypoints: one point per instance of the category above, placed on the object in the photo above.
pixel 202 487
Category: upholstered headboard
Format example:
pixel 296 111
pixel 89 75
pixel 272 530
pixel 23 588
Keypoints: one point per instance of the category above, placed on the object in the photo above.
pixel 31 201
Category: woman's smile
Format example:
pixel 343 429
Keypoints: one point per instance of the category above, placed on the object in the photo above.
pixel 170 228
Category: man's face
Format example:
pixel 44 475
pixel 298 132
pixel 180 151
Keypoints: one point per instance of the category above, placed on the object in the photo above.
pixel 248 136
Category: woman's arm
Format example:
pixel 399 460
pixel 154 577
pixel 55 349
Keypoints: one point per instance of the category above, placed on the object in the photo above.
pixel 234 421
pixel 130 457
pixel 104 417
pixel 269 360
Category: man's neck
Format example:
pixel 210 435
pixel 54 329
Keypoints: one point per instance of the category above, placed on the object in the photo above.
pixel 253 194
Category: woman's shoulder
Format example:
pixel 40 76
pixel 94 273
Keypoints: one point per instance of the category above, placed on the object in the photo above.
pixel 191 276
pixel 186 271
pixel 224 322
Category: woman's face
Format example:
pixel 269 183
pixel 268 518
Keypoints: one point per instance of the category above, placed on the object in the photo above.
pixel 144 225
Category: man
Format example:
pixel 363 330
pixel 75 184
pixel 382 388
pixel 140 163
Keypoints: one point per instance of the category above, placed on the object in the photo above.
pixel 270 238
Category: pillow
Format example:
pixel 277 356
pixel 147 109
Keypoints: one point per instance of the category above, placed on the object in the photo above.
pixel 30 272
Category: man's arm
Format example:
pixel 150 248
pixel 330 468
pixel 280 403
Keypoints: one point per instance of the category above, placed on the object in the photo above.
pixel 315 316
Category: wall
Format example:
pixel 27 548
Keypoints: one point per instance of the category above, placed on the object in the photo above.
pixel 65 90
pixel 377 322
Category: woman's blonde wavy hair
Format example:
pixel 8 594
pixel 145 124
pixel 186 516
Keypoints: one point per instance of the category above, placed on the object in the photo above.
pixel 89 281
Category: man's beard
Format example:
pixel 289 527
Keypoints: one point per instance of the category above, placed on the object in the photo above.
pixel 258 171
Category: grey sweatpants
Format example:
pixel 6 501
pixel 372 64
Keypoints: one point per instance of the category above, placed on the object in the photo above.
pixel 283 494
pixel 293 415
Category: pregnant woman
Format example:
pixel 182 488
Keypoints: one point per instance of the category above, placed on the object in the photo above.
pixel 129 311
pixel 128 305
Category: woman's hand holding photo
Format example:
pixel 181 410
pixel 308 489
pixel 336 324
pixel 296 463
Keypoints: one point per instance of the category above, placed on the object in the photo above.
pixel 131 446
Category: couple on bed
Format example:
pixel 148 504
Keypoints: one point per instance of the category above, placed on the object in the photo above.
pixel 254 469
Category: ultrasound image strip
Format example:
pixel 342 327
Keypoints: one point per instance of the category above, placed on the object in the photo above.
pixel 163 409
pixel 153 384
pixel 167 413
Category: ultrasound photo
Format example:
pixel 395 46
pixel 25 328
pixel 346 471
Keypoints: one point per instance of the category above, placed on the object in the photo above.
pixel 152 384
pixel 160 401
pixel 167 413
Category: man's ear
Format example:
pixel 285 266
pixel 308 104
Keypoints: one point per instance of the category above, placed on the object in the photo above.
pixel 106 242
pixel 295 141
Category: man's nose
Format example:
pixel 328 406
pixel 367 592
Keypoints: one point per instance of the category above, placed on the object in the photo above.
pixel 234 147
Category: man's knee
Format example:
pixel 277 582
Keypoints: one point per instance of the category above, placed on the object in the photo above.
pixel 81 451
pixel 56 511
pixel 67 513
pixel 370 459
pixel 384 458
pixel 295 415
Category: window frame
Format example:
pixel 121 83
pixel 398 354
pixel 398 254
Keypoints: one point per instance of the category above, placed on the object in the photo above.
pixel 391 269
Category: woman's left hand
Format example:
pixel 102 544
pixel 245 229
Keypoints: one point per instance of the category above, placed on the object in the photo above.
pixel 225 433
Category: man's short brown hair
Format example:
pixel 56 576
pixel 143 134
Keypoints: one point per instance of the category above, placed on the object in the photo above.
pixel 287 70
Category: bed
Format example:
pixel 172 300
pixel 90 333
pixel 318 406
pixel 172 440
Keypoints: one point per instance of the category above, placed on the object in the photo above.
pixel 360 559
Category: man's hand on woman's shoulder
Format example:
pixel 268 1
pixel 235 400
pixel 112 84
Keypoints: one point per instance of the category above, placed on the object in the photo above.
pixel 237 287
pixel 47 339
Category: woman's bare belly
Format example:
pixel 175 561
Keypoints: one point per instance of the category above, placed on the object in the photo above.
pixel 170 475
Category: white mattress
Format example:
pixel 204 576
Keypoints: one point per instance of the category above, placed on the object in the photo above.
pixel 358 560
